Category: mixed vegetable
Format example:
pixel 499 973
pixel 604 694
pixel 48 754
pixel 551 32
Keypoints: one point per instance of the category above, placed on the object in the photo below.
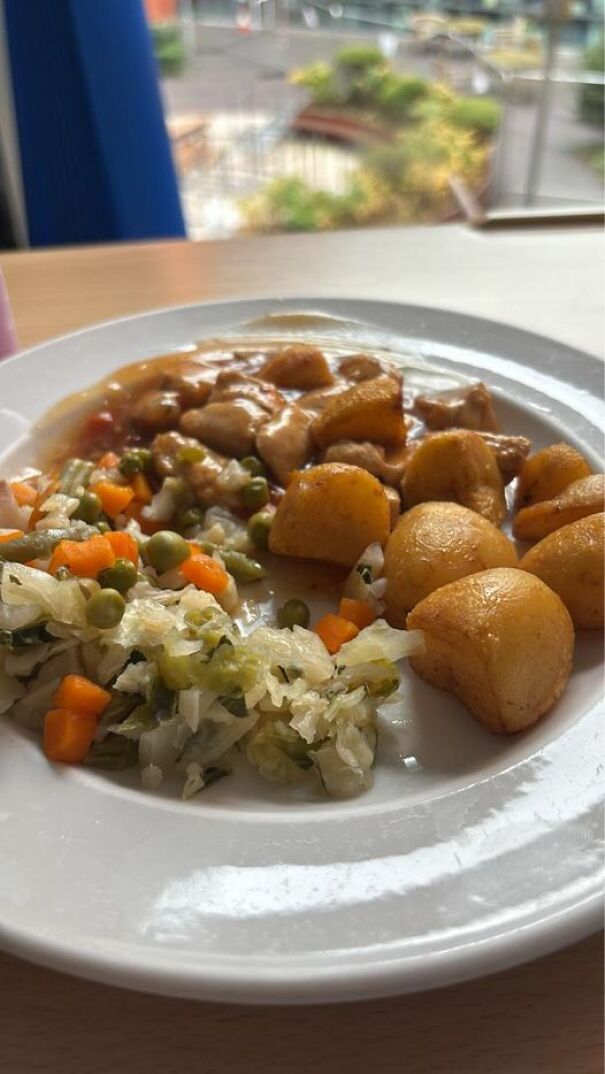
pixel 124 571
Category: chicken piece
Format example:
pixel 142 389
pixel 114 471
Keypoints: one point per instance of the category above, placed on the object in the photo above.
pixel 165 449
pixel 580 499
pixel 231 385
pixel 360 367
pixel 461 408
pixel 300 366
pixel 455 465
pixel 386 463
pixel 230 428
pixel 371 410
pixel 284 442
pixel 510 452
pixel 191 381
pixel 394 504
pixel 156 411
pixel 203 476
pixel 361 453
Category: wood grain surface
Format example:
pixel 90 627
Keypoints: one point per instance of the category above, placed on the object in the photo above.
pixel 542 1017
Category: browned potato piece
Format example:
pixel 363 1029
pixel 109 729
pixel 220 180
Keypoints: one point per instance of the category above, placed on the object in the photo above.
pixel 330 512
pixel 299 366
pixel 501 641
pixel 570 561
pixel 581 498
pixel 433 544
pixel 548 472
pixel 371 410
pixel 456 465
pixel 394 503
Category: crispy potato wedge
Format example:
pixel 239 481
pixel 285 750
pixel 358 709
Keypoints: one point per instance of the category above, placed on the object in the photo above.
pixel 299 366
pixel 434 544
pixel 570 561
pixel 455 465
pixel 330 512
pixel 548 472
pixel 501 641
pixel 581 498
pixel 371 410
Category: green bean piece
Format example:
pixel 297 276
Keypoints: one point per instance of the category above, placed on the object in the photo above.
pixel 188 517
pixel 105 609
pixel 256 493
pixel 241 567
pixel 259 527
pixel 75 475
pixel 40 543
pixel 166 550
pixel 293 613
pixel 122 575
pixel 191 453
pixel 254 466
pixel 89 507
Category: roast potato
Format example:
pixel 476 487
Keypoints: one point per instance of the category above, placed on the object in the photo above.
pixel 371 410
pixel 433 544
pixel 570 561
pixel 455 465
pixel 501 641
pixel 548 472
pixel 331 512
pixel 581 498
pixel 299 366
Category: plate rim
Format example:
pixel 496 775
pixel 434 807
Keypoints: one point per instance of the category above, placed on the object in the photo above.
pixel 332 983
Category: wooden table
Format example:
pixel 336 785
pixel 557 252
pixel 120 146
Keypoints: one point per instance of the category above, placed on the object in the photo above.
pixel 543 1017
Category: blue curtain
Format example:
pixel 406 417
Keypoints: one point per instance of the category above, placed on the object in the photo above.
pixel 95 155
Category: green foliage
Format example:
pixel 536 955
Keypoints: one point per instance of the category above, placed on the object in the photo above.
pixel 467 27
pixel 290 205
pixel 319 80
pixel 592 98
pixel 479 114
pixel 168 48
pixel 395 95
pixel 357 59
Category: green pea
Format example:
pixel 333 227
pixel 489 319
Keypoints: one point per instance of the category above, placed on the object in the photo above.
pixel 122 575
pixel 135 461
pixel 166 550
pixel 89 507
pixel 253 465
pixel 256 493
pixel 293 613
pixel 105 609
pixel 191 453
pixel 189 517
pixel 102 526
pixel 259 527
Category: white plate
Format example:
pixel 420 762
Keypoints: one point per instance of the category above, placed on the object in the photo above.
pixel 470 854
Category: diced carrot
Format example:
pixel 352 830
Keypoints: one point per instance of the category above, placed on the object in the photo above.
pixel 195 548
pixel 141 488
pixel 85 559
pixel 81 695
pixel 68 735
pixel 114 498
pixel 24 494
pixel 10 535
pixel 148 526
pixel 334 631
pixel 108 461
pixel 357 612
pixel 205 573
pixel 124 545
